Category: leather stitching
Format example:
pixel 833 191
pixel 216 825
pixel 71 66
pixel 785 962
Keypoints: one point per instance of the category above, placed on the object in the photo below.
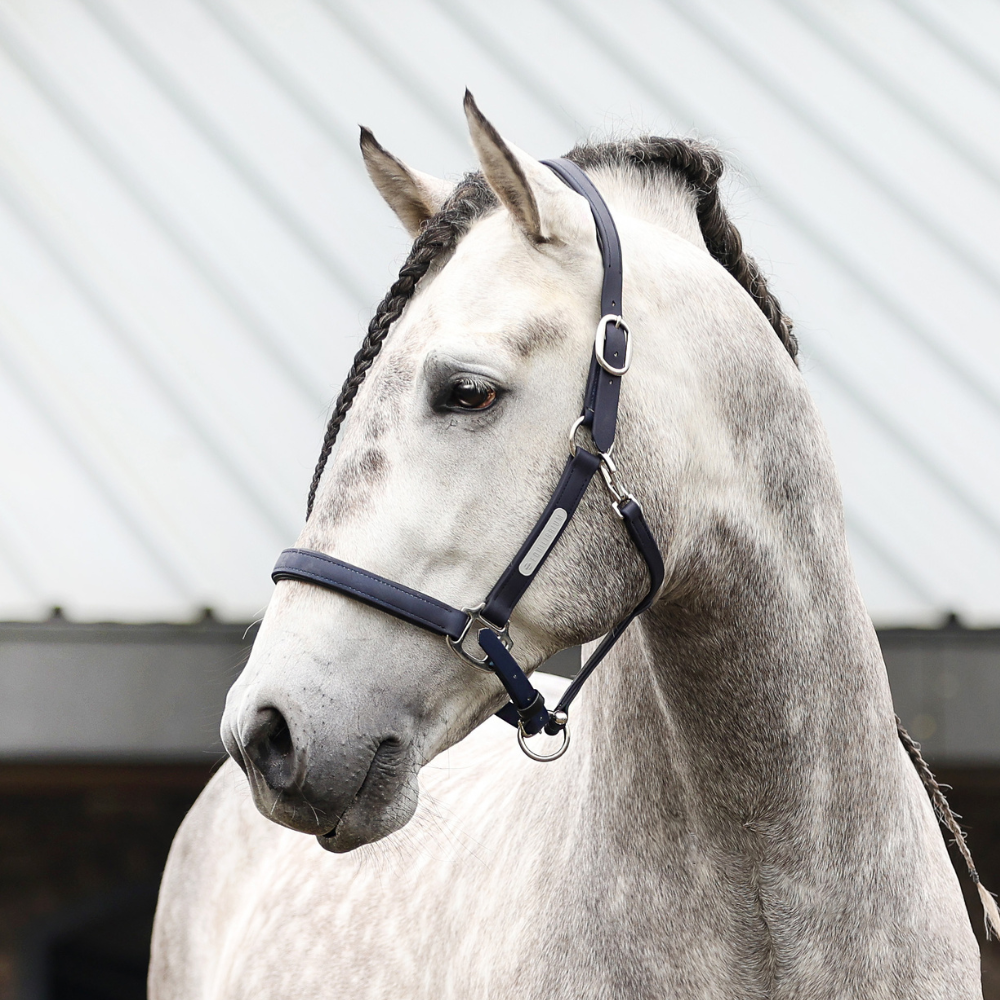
pixel 339 585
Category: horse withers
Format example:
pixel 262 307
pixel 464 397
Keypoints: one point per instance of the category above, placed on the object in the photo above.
pixel 736 816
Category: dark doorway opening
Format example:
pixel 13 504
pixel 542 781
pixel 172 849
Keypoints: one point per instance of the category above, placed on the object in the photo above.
pixel 104 956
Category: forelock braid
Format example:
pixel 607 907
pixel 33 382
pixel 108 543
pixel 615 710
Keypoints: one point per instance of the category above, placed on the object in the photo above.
pixel 439 235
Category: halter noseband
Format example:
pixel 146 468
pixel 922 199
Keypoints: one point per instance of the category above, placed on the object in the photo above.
pixel 611 359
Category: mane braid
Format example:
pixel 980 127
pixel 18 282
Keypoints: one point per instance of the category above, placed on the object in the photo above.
pixel 702 166
pixel 949 820
pixel 439 236
pixel 698 163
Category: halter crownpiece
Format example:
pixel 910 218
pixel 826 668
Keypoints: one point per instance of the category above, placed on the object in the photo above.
pixel 611 359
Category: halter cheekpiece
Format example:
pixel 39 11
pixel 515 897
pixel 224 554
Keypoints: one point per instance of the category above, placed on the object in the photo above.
pixel 610 361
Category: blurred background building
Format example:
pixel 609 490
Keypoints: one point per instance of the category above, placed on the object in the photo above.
pixel 190 250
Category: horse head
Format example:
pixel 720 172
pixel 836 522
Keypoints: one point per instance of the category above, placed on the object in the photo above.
pixel 451 452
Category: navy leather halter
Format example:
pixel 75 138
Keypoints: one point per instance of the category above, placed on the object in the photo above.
pixel 610 361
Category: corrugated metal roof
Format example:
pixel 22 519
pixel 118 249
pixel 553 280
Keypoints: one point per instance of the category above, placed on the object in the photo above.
pixel 189 250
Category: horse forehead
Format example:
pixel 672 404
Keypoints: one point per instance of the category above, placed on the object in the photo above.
pixel 509 296
pixel 495 266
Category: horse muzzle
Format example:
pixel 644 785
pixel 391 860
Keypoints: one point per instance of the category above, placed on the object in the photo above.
pixel 347 789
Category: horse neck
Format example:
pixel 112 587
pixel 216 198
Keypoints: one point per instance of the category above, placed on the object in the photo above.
pixel 737 710
pixel 741 695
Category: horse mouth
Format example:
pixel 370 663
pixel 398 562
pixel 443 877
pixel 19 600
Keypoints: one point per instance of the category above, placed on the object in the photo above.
pixel 384 802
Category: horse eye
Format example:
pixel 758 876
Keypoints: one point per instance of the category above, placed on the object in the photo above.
pixel 467 394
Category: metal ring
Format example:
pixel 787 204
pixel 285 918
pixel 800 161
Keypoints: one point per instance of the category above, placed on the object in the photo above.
pixel 457 646
pixel 541 758
pixel 572 436
pixel 599 338
pixel 572 439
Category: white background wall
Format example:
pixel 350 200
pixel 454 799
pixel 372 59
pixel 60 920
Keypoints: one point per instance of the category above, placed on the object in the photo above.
pixel 189 252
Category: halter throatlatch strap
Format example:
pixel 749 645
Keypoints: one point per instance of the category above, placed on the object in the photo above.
pixel 610 360
pixel 643 540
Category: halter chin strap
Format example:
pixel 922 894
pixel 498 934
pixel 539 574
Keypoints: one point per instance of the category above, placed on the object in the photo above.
pixel 610 361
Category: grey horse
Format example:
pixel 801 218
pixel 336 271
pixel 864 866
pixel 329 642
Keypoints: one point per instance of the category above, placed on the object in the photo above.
pixel 736 816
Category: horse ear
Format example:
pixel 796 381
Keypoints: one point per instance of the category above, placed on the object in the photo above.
pixel 413 196
pixel 535 198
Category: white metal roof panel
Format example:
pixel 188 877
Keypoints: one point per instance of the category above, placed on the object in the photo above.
pixel 190 248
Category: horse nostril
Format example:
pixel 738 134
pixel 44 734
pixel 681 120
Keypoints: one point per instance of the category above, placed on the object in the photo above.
pixel 269 746
pixel 280 738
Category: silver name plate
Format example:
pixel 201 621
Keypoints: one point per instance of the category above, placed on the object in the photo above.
pixel 543 542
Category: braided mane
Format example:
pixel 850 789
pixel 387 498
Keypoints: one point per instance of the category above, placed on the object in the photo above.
pixel 698 163
pixel 702 166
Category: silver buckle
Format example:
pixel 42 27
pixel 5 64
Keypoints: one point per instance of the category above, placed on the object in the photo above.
pixel 458 645
pixel 601 335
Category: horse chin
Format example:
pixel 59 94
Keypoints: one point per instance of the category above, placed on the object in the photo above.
pixel 294 813
pixel 368 819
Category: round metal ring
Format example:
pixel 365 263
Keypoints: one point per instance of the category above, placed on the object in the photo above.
pixel 599 337
pixel 542 758
pixel 577 424
pixel 572 436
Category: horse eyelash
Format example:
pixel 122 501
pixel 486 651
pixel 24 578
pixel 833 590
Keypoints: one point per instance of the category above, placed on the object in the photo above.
pixel 444 393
